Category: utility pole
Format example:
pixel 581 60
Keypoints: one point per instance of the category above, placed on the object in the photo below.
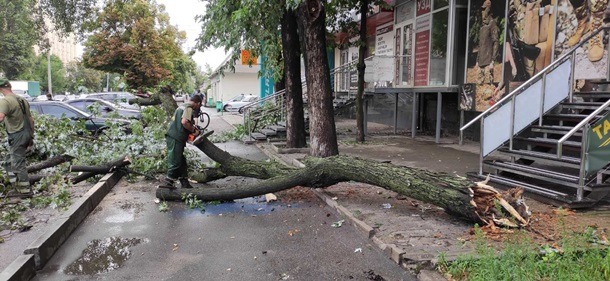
pixel 107 82
pixel 50 83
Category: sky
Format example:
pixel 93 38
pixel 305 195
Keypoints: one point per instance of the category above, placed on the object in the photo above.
pixel 182 14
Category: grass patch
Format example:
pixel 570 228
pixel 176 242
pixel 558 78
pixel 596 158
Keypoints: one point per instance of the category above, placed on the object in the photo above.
pixel 580 256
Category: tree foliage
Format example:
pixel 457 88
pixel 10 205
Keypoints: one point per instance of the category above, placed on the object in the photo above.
pixel 237 25
pixel 17 36
pixel 83 79
pixel 58 73
pixel 135 38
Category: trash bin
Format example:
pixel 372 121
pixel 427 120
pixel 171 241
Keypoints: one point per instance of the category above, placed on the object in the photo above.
pixel 219 106
pixel 210 102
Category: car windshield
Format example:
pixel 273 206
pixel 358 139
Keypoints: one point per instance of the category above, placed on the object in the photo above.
pixel 238 98
pixel 250 99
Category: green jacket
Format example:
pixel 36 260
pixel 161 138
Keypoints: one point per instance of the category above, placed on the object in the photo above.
pixel 176 130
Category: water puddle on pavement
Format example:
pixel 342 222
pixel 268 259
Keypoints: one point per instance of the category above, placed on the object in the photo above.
pixel 122 216
pixel 247 206
pixel 103 255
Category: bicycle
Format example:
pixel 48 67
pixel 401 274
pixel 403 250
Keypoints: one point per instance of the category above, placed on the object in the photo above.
pixel 204 120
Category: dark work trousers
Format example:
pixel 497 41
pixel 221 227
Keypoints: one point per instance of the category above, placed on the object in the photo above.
pixel 176 162
pixel 16 160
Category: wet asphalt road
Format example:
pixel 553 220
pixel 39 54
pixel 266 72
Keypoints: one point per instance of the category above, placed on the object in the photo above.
pixel 249 239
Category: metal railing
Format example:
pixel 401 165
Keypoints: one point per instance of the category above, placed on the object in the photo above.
pixel 569 55
pixel 542 76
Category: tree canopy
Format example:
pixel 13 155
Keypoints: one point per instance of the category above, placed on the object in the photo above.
pixel 135 38
pixel 17 36
pixel 58 73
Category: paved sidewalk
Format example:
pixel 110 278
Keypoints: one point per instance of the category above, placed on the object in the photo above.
pixel 412 233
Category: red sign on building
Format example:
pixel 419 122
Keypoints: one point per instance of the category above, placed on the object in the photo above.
pixel 423 7
pixel 422 57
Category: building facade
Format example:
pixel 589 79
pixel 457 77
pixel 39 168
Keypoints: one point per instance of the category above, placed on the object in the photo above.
pixel 227 84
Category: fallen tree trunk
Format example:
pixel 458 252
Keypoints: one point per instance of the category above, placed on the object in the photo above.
pixel 90 171
pixel 145 101
pixel 458 196
pixel 51 162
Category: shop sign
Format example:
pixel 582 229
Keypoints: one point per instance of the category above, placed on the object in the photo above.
pixel 423 7
pixel 422 50
pixel 598 146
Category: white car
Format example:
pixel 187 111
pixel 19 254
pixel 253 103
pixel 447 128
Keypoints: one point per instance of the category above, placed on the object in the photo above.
pixel 238 102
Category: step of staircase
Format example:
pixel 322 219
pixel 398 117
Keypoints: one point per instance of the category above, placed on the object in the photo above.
pixel 567 117
pixel 534 172
pixel 258 136
pixel 268 132
pixel 278 128
pixel 592 95
pixel 552 196
pixel 554 129
pixel 567 161
pixel 574 145
pixel 582 105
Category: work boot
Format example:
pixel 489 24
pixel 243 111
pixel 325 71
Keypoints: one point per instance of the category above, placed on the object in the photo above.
pixel 24 189
pixel 184 183
pixel 583 25
pixel 596 45
pixel 167 183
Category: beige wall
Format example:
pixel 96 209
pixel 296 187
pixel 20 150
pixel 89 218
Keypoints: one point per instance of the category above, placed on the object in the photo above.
pixel 243 80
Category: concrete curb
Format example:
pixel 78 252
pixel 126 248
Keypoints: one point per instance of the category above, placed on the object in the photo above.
pixel 22 268
pixel 39 252
pixel 392 251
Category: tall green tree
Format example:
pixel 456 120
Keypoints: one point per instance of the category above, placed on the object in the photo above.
pixel 83 79
pixel 134 38
pixel 254 25
pixel 17 38
pixel 323 136
pixel 58 74
pixel 23 25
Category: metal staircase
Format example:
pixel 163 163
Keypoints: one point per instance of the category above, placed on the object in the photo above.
pixel 344 97
pixel 548 139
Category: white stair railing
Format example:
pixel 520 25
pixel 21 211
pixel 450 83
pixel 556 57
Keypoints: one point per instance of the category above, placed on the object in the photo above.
pixel 528 102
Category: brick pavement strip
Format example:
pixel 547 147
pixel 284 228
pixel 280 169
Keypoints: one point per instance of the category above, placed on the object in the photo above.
pixel 38 253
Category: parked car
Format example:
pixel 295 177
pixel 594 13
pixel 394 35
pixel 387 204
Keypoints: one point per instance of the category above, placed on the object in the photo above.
pixel 105 108
pixel 237 102
pixel 120 98
pixel 61 110
pixel 23 94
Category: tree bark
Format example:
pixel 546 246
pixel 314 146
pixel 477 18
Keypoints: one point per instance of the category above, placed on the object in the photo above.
pixel 143 101
pixel 295 116
pixel 51 162
pixel 166 96
pixel 322 131
pixel 361 67
pixel 91 171
pixel 458 196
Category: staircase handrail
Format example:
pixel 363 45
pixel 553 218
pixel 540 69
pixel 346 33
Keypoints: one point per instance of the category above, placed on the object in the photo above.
pixel 535 78
pixel 582 123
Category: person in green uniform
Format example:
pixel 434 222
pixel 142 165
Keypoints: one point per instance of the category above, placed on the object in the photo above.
pixel 181 125
pixel 19 125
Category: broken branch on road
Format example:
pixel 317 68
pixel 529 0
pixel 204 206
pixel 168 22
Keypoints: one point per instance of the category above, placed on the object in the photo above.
pixel 473 201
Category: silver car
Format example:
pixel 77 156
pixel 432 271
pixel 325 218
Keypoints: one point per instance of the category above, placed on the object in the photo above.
pixel 238 102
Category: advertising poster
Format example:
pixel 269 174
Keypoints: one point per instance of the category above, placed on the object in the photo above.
pixel 383 62
pixel 422 43
pixel 576 20
pixel 529 40
pixel 484 68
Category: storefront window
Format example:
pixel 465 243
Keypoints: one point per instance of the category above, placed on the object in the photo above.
pixel 440 4
pixel 438 52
